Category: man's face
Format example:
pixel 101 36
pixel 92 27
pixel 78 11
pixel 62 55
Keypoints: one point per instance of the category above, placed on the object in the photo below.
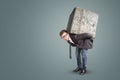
pixel 65 36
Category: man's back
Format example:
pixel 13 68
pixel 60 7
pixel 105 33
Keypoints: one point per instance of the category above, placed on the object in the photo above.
pixel 82 40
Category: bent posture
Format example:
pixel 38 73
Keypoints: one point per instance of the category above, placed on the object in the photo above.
pixel 82 42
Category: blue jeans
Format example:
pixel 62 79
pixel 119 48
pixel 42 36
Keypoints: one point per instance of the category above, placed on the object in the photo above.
pixel 81 57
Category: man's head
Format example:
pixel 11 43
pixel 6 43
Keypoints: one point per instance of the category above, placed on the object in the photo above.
pixel 64 34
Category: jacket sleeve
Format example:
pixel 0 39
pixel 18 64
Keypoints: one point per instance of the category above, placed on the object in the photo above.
pixel 72 44
pixel 84 36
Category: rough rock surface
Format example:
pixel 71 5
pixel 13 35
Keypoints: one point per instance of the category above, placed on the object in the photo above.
pixel 82 21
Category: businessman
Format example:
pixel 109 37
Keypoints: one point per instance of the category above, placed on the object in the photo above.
pixel 82 42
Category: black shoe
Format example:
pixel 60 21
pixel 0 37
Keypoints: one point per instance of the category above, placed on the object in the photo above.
pixel 83 71
pixel 76 70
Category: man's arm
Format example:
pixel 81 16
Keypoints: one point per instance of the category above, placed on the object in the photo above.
pixel 84 36
pixel 71 44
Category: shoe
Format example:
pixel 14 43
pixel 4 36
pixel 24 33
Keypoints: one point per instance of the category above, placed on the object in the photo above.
pixel 83 71
pixel 76 70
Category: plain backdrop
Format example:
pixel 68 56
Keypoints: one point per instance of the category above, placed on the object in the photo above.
pixel 31 49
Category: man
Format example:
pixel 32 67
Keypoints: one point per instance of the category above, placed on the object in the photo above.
pixel 82 42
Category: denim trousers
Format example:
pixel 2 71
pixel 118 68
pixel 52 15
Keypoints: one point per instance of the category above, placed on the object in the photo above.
pixel 81 57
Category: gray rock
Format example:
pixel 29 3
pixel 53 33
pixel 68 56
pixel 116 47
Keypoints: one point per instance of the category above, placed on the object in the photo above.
pixel 82 21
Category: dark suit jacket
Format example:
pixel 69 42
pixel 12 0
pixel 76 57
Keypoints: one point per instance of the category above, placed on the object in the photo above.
pixel 84 41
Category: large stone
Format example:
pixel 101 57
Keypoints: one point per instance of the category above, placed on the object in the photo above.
pixel 82 21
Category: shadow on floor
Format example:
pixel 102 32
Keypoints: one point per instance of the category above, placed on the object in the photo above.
pixel 71 72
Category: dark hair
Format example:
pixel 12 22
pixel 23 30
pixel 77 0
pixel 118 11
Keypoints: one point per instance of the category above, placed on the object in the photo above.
pixel 62 31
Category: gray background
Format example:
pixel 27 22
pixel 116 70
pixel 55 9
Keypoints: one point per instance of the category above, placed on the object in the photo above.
pixel 31 49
